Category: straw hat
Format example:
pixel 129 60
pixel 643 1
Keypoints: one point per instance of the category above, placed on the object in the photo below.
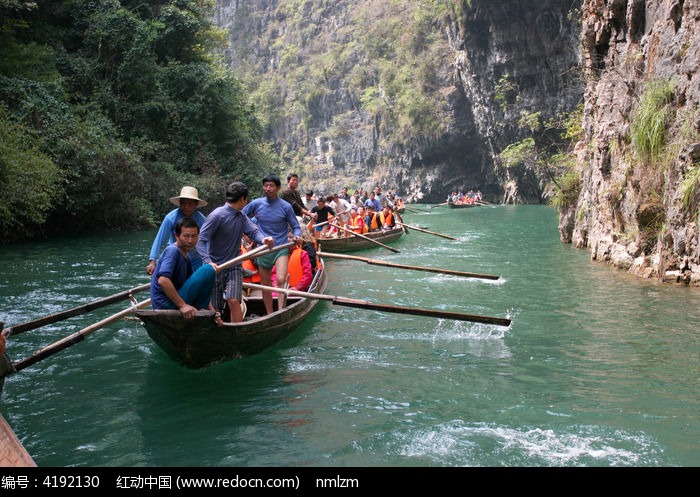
pixel 191 193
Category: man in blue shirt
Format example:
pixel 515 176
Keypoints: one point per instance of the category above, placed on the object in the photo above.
pixel 373 202
pixel 275 217
pixel 174 285
pixel 188 202
pixel 220 241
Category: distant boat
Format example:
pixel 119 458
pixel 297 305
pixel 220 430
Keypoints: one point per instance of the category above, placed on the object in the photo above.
pixel 461 205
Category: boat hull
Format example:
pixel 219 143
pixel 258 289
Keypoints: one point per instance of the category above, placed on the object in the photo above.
pixel 460 206
pixel 353 243
pixel 199 342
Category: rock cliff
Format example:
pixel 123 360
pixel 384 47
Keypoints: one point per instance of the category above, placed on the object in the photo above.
pixel 633 63
pixel 331 137
pixel 639 162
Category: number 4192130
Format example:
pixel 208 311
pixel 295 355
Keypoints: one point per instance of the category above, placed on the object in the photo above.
pixel 82 481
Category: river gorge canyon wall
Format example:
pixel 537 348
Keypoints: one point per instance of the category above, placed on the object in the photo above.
pixel 636 213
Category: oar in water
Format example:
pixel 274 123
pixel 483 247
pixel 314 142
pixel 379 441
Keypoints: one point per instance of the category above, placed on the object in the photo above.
pixel 76 311
pixel 363 304
pixel 426 231
pixel 365 237
pixel 74 338
pixel 378 262
pixel 438 205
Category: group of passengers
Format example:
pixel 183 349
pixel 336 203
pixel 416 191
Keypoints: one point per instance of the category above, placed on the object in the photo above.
pixel 194 271
pixel 471 197
pixel 340 214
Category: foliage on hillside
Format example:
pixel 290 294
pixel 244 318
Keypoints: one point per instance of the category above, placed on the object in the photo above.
pixel 108 107
pixel 378 59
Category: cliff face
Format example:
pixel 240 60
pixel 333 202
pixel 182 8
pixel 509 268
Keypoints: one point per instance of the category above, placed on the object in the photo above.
pixel 640 213
pixel 334 140
pixel 629 61
pixel 534 47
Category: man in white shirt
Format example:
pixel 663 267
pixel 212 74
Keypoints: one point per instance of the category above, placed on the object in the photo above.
pixel 309 200
pixel 342 209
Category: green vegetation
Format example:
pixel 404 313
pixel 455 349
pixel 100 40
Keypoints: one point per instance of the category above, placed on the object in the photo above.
pixel 541 150
pixel 690 189
pixel 650 121
pixel 107 108
pixel 381 57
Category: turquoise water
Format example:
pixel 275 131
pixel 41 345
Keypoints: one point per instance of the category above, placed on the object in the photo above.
pixel 598 368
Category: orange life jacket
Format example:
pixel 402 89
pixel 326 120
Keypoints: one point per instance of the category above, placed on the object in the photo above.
pixel 249 265
pixel 295 269
pixel 386 220
pixel 375 222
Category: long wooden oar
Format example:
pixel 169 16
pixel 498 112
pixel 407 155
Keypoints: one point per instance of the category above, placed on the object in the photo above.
pixel 363 304
pixel 365 237
pixel 74 338
pixel 438 205
pixel 430 232
pixel 251 254
pixel 76 311
pixel 378 262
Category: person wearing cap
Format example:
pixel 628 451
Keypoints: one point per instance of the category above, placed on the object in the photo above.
pixel 187 204
pixel 220 241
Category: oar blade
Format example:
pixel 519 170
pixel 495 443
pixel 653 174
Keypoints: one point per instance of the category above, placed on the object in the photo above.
pixel 416 311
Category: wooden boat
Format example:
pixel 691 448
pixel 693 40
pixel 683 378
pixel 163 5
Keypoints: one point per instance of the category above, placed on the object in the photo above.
pixel 461 205
pixel 199 342
pixel 357 242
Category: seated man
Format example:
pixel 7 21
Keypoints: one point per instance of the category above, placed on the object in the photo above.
pixel 356 224
pixel 174 285
pixel 387 218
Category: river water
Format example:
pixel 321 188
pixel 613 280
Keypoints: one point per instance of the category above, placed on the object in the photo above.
pixel 598 368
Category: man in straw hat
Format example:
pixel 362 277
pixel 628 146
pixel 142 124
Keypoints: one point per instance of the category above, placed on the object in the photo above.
pixel 188 202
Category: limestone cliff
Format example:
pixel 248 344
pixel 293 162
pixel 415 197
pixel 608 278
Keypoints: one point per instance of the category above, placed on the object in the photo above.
pixel 639 162
pixel 319 62
pixel 319 72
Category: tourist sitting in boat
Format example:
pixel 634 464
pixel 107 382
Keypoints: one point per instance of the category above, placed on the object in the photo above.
pixel 386 218
pixel 361 214
pixel 309 244
pixel 323 211
pixel 372 220
pixel 250 269
pixel 174 285
pixel 356 224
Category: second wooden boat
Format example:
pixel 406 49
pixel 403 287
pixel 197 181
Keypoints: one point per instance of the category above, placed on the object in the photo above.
pixel 366 241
